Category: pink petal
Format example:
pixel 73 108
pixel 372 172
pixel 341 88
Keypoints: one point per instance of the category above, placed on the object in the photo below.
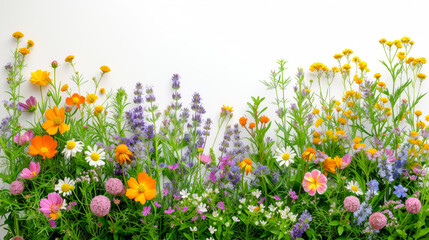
pixel 315 173
pixel 311 192
pixel 322 179
pixel 322 188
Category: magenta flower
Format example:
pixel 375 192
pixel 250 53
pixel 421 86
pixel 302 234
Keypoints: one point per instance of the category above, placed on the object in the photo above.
pixel 169 211
pixel 277 198
pixel 52 205
pixel 347 159
pixel 221 205
pixel 156 204
pixel 185 208
pixel 52 222
pixel 31 104
pixel 213 177
pixel 26 137
pixel 205 158
pixel 195 218
pixel 173 167
pixel 262 200
pixel 32 172
pixel 203 217
pixel 165 191
pixel 146 211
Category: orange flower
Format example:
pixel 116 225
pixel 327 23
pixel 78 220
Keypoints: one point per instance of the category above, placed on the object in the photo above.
pixel 30 43
pixel 105 69
pixel 264 119
pixel 91 98
pixel 142 190
pixel 55 121
pixel 98 110
pixel 243 121
pixel 247 165
pixel 252 125
pixel 64 87
pixel 102 90
pixel 40 77
pixel 330 164
pixel 18 35
pixel 75 99
pixel 24 51
pixel 69 58
pixel 44 146
pixel 123 154
pixel 309 154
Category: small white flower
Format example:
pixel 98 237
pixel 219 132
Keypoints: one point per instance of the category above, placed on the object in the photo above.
pixel 215 214
pixel 184 194
pixel 212 229
pixel 353 186
pixel 284 156
pixel 202 207
pixel 214 223
pixel 227 224
pixel 272 208
pixel 257 193
pixel 65 186
pixel 268 215
pixel 240 206
pixel 235 219
pixel 283 216
pixel 292 217
pixel 279 203
pixel 209 190
pixel 221 218
pixel 194 196
pixel 257 223
pixel 210 238
pixel 263 223
pixel 242 200
pixel 216 190
pixel 251 208
pixel 205 195
pixel 72 147
pixel 95 156
pixel 193 229
pixel 238 212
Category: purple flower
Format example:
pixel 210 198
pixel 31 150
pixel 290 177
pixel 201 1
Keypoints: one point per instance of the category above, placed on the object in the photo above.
pixel 185 208
pixel 195 218
pixel 277 198
pixel 52 222
pixel 301 226
pixel 176 197
pixel 213 177
pixel 400 191
pixel 173 167
pixel 262 200
pixel 203 217
pixel 170 210
pixel 146 211
pixel 292 194
pixel 31 104
pixel 156 204
pixel 221 205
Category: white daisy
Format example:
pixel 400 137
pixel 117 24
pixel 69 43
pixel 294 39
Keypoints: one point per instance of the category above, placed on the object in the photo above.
pixel 284 156
pixel 184 194
pixel 65 186
pixel 202 207
pixel 353 186
pixel 95 156
pixel 193 229
pixel 212 229
pixel 72 147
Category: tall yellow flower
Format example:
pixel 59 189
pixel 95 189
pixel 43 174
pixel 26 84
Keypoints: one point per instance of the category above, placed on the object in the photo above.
pixel 247 165
pixel 18 35
pixel 309 154
pixel 142 190
pixel 55 121
pixel 40 77
pixel 105 69
pixel 91 98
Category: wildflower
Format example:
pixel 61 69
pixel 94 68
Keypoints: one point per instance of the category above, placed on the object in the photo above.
pixel 202 208
pixel 204 158
pixel 105 69
pixel 184 194
pixel 75 99
pixel 301 226
pixel 173 167
pixel 421 76
pixel 55 121
pixel 30 43
pixel 264 119
pixel 318 122
pixel 64 88
pixel 314 181
pixel 247 165
pixel 69 58
pixel 252 125
pixel 100 205
pixel 40 77
pixel 257 193
pixel 95 156
pixel 353 186
pixel 91 98
pixel 72 147
pixel 23 139
pixel 114 186
pixel 54 64
pixel 221 205
pixel 32 172
pixel 16 187
pixel 30 104
pixel 346 160
pixel 169 211
pixel 400 191
pixel 52 206
pixel 146 210
pixel 243 121
pixel 156 204
pixel 331 164
pixel 316 111
pixel 351 203
pixel 377 220
pixel 193 229
pixel 413 205
pixel 44 146
pixel 102 90
pixel 212 230
pixel 418 113
pixel 18 35
pixel 338 56
pixel 309 154
pixel 123 154
pixel 65 186
pixel 285 156
pixel 381 84
pixel 98 110
pixel 24 51
pixel 142 190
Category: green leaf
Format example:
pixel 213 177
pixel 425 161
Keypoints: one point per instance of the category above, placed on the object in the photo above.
pixel 334 223
pixel 421 233
pixel 340 230
pixel 187 236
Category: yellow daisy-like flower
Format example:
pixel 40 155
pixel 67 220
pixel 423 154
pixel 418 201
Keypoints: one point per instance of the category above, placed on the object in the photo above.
pixel 421 76
pixel 347 51
pixel 98 110
pixel 377 75
pixel 64 87
pixel 91 98
pixel 40 77
pixel 69 58
pixel 247 165
pixel 102 90
pixel 418 113
pixel 318 122
pixel 105 69
pixel 142 190
pixel 382 41
pixel 338 56
pixel 18 35
pixel 24 51
pixel 309 154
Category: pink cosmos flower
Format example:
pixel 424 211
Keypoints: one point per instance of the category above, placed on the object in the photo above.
pixel 347 159
pixel 32 172
pixel 314 181
pixel 26 137
pixel 52 205
pixel 205 158
pixel 146 211
pixel 30 104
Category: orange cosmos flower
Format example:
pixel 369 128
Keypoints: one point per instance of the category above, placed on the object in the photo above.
pixel 40 77
pixel 331 164
pixel 64 87
pixel 91 98
pixel 142 190
pixel 247 165
pixel 252 125
pixel 123 154
pixel 44 146
pixel 105 69
pixel 309 154
pixel 69 58
pixel 243 121
pixel 55 121
pixel 75 99
pixel 264 119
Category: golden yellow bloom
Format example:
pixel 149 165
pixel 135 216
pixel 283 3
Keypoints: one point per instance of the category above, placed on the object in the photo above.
pixel 401 56
pixel 381 84
pixel 414 134
pixel 357 79
pixel 18 35
pixel 418 113
pixel 342 120
pixel 91 98
pixel 30 43
pixel 348 113
pixel 105 69
pixel 405 40
pixel 411 43
pixel 102 90
pixel 65 87
pixel 347 51
pixel 316 111
pixel 350 104
pixel 421 76
pixel 359 145
pixel 384 100
pixel 335 69
pixel 55 121
pixel 427 118
pixel 389 43
pixel 363 65
pixel 338 103
pixel 24 51
pixel 318 122
pixel 338 56
pixel 40 77
pixel 98 110
pixel 331 164
pixel 356 59
pixel 377 75
pixel 226 108
pixel 357 140
pixel 339 109
pixel 372 151
pixel 410 60
pixel 318 66
pixel 123 154
pixel 309 154
pixel 316 134
pixel 69 58
pixel 247 165
pixel 316 141
pixel 382 41
pixel 346 67
pixel 398 45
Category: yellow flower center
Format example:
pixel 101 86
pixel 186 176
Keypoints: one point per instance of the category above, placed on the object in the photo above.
pixel 57 121
pixel 354 188
pixel 75 100
pixel 142 188
pixel 71 145
pixel 34 173
pixel 285 156
pixel 95 157
pixel 65 187
pixel 44 150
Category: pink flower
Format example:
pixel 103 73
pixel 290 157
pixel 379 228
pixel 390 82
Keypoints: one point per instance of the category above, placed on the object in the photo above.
pixel 156 204
pixel 314 181
pixel 52 205
pixel 377 220
pixel 169 211
pixel 146 211
pixel 205 158
pixel 26 137
pixel 16 187
pixel 277 198
pixel 32 172
pixel 100 205
pixel 114 186
pixel 347 159
pixel 173 167
pixel 413 205
pixel 221 205
pixel 30 104
pixel 351 203
pixel 52 222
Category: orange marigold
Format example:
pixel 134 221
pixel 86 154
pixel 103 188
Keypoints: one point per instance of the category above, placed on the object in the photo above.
pixel 252 125
pixel 30 43
pixel 243 121
pixel 24 51
pixel 264 119
pixel 123 154
pixel 331 164
pixel 18 35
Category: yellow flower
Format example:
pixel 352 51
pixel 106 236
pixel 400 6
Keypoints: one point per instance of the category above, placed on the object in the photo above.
pixel 357 140
pixel 389 43
pixel 338 56
pixel 372 151
pixel 342 120
pixel 381 84
pixel 40 77
pixel 226 108
pixel 346 67
pixel 356 59
pixel 335 69
pixel 102 90
pixel 91 98
pixel 105 69
pixel 318 122
pixel 247 165
pixel 414 134
pixel 316 111
pixel 383 40
pixel 69 58
pixel 411 43
pixel 350 104
pixel 401 56
pixel 398 45
pixel 363 65
pixel 309 154
pixel 24 51
pixel 427 118
pixel 384 100
pixel 405 40
pixel 377 75
pixel 421 76
pixel 347 51
pixel 18 35
pixel 64 87
pixel 98 110
pixel 331 164
pixel 317 66
pixel 30 43
pixel 123 154
pixel 418 113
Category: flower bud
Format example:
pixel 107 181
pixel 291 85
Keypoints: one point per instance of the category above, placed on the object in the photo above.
pixel 54 64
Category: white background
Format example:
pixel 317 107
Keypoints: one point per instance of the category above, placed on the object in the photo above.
pixel 221 49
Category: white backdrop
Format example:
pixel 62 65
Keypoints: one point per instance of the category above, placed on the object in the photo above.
pixel 221 49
